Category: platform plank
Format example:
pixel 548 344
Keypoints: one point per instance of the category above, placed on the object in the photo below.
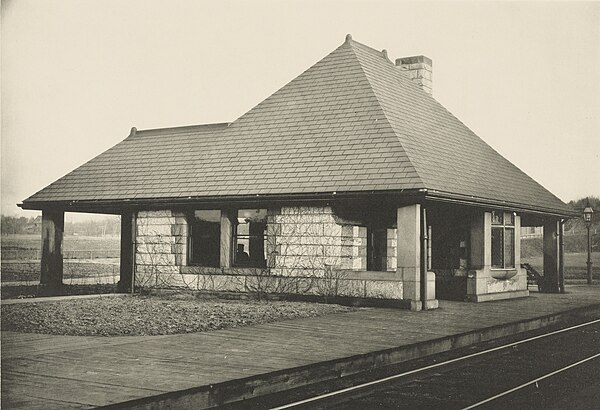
pixel 43 371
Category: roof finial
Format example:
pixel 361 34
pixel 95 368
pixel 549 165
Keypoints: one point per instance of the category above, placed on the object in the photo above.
pixel 348 38
pixel 133 132
pixel 384 53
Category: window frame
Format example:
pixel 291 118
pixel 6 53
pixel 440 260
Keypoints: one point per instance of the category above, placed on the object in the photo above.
pixel 252 262
pixel 192 224
pixel 503 226
pixel 377 246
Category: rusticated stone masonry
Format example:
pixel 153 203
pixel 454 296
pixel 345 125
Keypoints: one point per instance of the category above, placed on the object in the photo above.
pixel 161 246
pixel 309 241
pixel 309 250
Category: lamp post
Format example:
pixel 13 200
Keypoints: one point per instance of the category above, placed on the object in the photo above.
pixel 587 218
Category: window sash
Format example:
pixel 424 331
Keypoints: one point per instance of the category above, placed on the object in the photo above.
pixel 204 238
pixel 509 248
pixel 509 219
pixel 503 247
pixel 497 247
pixel 250 231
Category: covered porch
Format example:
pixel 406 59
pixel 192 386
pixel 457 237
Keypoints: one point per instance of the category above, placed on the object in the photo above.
pixel 372 248
pixel 52 236
pixel 476 252
pixel 338 248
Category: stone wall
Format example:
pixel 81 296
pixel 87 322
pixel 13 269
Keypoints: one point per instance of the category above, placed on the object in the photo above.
pixel 305 241
pixel 161 247
pixel 309 251
pixel 353 247
pixel 392 243
pixel 514 284
pixel 484 282
pixel 312 251
pixel 309 241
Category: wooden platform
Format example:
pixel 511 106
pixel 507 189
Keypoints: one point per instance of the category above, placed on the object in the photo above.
pixel 42 371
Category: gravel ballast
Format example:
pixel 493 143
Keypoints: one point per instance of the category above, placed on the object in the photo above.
pixel 151 315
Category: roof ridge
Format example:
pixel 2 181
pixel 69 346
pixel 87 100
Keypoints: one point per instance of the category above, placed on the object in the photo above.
pixel 242 117
pixel 384 55
pixel 180 130
pixel 380 53
pixel 381 106
pixel 428 173
pixel 401 74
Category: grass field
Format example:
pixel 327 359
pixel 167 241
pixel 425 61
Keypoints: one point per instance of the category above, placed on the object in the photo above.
pixel 575 266
pixel 532 247
pixel 20 257
pixel 28 271
pixel 35 291
pixel 28 246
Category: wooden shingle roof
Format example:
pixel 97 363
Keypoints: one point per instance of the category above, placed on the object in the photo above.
pixel 353 122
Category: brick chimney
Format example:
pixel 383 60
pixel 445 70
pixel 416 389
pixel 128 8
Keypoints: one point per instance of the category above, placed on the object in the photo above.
pixel 419 69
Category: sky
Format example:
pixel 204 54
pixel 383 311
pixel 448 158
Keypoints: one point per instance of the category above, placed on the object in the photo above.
pixel 77 75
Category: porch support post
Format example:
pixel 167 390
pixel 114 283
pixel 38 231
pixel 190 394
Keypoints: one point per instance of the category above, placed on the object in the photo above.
pixel 551 256
pixel 409 253
pixel 53 225
pixel 427 278
pixel 561 257
pixel 127 267
pixel 227 218
pixel 517 249
pixel 481 255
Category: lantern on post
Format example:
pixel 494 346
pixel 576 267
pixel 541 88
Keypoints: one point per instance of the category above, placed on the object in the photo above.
pixel 588 214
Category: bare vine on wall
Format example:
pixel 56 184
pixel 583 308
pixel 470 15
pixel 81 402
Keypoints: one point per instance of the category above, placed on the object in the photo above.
pixel 307 248
pixel 160 249
pixel 303 250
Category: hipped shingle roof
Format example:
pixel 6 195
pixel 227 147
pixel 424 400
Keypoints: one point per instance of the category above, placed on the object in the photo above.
pixel 353 122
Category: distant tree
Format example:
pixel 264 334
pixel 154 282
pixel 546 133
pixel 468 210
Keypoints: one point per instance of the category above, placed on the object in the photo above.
pixel 15 225
pixel 111 225
pixel 576 225
pixel 581 203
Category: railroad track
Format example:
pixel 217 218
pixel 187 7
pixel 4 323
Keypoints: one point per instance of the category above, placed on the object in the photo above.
pixel 527 373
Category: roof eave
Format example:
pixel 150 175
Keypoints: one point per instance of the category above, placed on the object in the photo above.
pixel 518 207
pixel 119 205
pixel 115 206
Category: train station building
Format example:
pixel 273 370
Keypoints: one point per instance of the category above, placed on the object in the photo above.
pixel 351 181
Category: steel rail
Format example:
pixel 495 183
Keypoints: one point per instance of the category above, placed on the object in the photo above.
pixel 433 366
pixel 534 381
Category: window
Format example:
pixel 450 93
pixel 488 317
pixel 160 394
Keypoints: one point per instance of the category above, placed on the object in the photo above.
pixel 503 240
pixel 204 238
pixel 377 249
pixel 249 238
